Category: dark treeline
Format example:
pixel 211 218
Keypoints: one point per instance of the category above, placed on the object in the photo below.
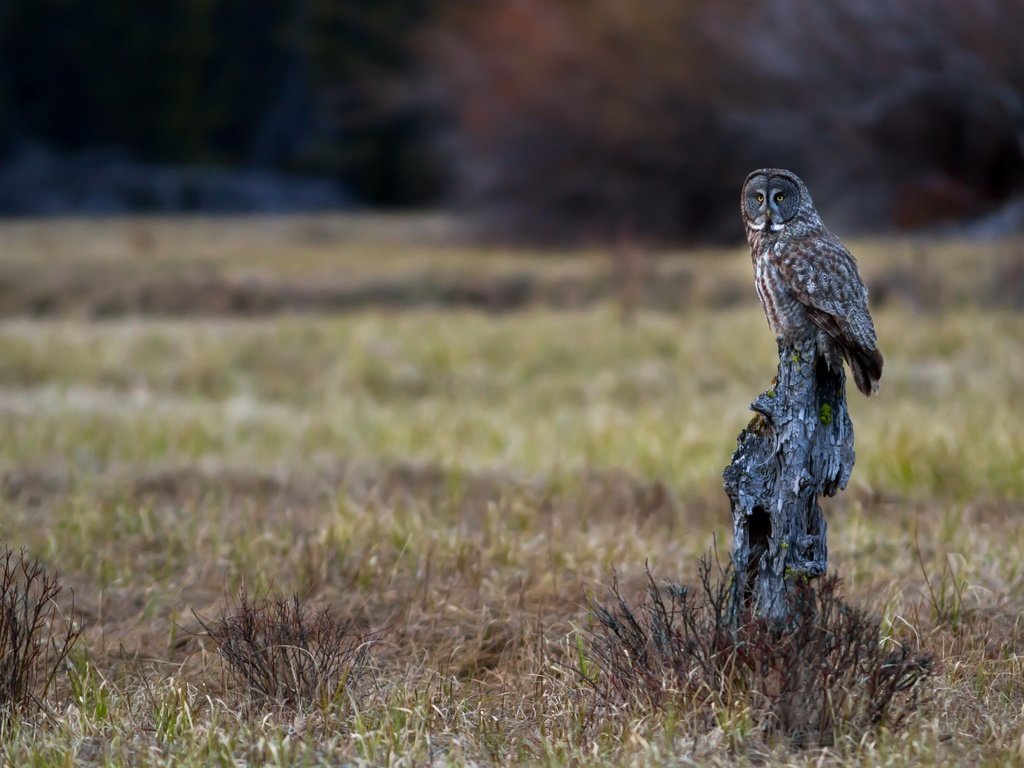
pixel 305 86
pixel 547 119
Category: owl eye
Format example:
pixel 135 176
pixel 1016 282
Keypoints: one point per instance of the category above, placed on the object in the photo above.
pixel 779 197
pixel 759 197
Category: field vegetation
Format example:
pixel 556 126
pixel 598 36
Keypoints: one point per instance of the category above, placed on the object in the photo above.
pixel 438 455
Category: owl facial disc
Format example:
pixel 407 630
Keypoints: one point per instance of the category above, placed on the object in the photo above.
pixel 771 199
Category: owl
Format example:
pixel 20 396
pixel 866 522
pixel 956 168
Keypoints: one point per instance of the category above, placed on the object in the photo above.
pixel 806 279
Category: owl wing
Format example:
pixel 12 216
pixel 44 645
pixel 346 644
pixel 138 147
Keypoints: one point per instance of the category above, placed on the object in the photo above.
pixel 822 275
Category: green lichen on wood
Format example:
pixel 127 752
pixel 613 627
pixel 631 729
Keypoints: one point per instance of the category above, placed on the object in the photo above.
pixel 825 414
pixel 797 575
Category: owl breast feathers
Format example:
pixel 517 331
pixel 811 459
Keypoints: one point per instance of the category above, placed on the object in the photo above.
pixel 806 279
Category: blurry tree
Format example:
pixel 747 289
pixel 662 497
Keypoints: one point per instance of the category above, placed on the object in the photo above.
pixel 907 113
pixel 591 118
pixel 364 65
pixel 585 118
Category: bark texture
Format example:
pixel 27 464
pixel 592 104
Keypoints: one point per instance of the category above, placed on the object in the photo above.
pixel 797 448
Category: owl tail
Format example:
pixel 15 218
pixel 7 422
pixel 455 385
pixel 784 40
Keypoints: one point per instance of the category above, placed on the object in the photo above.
pixel 866 365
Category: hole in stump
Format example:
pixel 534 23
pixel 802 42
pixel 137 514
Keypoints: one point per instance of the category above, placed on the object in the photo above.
pixel 759 532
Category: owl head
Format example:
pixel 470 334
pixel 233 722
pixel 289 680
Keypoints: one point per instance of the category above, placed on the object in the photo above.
pixel 774 200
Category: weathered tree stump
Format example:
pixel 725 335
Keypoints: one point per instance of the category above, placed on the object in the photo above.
pixel 798 447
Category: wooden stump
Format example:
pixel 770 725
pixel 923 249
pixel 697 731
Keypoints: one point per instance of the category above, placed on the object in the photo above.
pixel 798 447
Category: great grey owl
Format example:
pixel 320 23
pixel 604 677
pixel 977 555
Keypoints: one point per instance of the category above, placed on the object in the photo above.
pixel 806 279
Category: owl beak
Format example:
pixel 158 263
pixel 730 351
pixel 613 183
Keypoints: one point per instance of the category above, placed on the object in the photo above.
pixel 768 214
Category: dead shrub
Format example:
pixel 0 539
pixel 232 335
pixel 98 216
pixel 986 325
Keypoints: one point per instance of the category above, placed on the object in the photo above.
pixel 35 637
pixel 277 650
pixel 827 672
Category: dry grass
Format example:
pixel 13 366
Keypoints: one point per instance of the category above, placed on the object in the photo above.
pixel 468 481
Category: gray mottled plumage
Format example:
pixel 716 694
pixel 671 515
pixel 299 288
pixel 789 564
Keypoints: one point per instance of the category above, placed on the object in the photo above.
pixel 806 279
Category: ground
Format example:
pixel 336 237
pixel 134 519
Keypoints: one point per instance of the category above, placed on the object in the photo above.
pixel 459 445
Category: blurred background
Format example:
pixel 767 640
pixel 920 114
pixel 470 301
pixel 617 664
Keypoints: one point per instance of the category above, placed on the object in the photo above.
pixel 538 120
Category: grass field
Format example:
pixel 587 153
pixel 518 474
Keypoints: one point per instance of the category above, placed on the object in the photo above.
pixel 463 471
